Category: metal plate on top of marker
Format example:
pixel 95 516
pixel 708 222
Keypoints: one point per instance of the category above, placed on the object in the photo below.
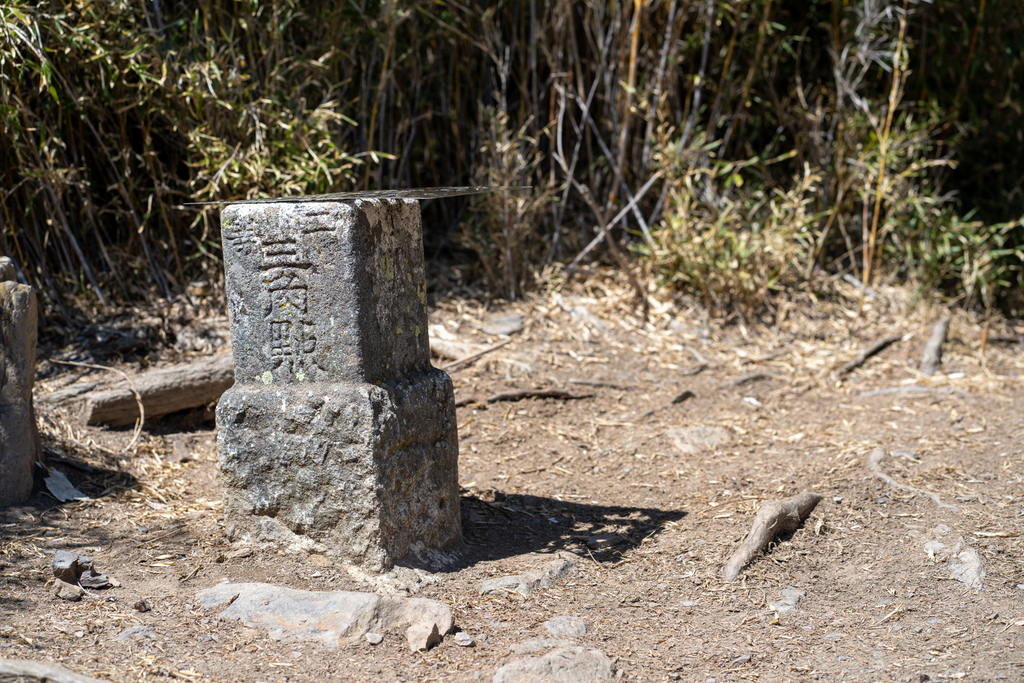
pixel 417 193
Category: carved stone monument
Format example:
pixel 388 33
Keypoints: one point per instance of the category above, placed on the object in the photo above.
pixel 338 436
pixel 19 438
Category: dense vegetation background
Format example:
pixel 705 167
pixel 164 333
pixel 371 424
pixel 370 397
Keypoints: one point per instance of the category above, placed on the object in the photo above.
pixel 729 148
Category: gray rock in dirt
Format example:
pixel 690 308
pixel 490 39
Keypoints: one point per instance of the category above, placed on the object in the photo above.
pixel 463 639
pixel 966 568
pixel 28 671
pixel 333 618
pixel 68 565
pixel 338 436
pixel 137 631
pixel 690 440
pixel 789 601
pixel 565 665
pixel 374 638
pixel 506 324
pixel 527 582
pixel 19 437
pixel 567 626
pixel 68 591
pixel 535 645
pixel 962 561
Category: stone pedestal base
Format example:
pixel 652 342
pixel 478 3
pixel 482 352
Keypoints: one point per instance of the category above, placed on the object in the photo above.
pixel 363 473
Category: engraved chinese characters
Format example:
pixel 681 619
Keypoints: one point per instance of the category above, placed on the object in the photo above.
pixel 338 435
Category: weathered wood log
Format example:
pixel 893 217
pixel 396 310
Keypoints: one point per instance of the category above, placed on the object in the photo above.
pixel 163 390
pixel 774 517
pixel 931 357
pixel 40 672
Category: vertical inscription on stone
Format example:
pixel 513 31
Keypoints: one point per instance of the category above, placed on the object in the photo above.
pixel 328 310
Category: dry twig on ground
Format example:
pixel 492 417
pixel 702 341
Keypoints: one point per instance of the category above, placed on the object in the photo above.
pixel 775 516
pixel 867 353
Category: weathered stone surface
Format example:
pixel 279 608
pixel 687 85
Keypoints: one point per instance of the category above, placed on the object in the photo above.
pixel 333 618
pixel 68 591
pixel 565 665
pixel 19 438
pixel 567 626
pixel 691 440
pixel 338 437
pixel 527 582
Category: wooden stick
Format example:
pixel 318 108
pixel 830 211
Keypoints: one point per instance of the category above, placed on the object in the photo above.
pixel 678 398
pixel 535 393
pixel 774 517
pixel 455 365
pixel 867 353
pixel 931 357
pixel 131 385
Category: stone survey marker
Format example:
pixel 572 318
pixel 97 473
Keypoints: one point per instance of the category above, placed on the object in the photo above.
pixel 338 436
pixel 19 439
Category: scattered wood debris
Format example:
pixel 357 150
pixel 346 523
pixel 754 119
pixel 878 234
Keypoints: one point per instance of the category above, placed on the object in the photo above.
pixel 524 393
pixel 774 517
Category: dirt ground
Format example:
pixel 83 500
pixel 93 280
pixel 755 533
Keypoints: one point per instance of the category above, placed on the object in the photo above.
pixel 542 477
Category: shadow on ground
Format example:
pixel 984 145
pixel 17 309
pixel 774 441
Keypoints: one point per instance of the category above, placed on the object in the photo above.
pixel 496 526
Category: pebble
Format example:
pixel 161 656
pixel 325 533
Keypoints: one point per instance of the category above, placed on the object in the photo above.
pixel 599 541
pixel 567 626
pixel 463 639
pixel 374 638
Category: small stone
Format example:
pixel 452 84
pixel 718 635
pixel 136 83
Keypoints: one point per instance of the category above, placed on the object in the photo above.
pixel 142 606
pixel 67 566
pixel 601 541
pixel 789 601
pixel 137 630
pixel 374 638
pixel 567 626
pixel 68 591
pixel 690 440
pixel 90 579
pixel 463 639
pixel 422 636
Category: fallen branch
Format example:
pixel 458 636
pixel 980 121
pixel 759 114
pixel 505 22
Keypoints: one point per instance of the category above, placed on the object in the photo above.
pixel 931 357
pixel 150 394
pixel 524 393
pixel 775 516
pixel 747 379
pixel 874 463
pixel 678 398
pixel 872 350
pixel 131 385
pixel 598 383
pixel 455 365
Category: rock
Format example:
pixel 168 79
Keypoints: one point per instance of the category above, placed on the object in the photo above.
pixel 67 565
pixel 422 636
pixel 966 568
pixel 463 639
pixel 567 626
pixel 689 440
pixel 789 601
pixel 506 324
pixel 962 561
pixel 139 630
pixel 526 583
pixel 74 568
pixel 68 591
pixel 338 436
pixel 142 606
pixel 58 484
pixel 565 665
pixel 19 437
pixel 27 671
pixel 374 638
pixel 602 541
pixel 333 618
pixel 534 645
